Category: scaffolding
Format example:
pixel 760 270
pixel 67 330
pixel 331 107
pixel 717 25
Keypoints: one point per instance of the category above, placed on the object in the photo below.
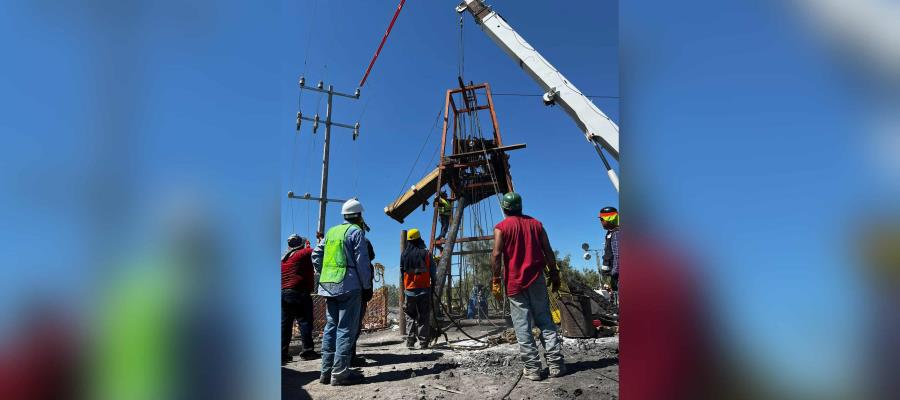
pixel 474 166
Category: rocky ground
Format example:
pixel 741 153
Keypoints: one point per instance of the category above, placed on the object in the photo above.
pixel 394 372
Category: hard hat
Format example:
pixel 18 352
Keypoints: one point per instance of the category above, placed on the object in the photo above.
pixel 607 210
pixel 610 215
pixel 511 201
pixel 413 234
pixel 352 206
pixel 295 240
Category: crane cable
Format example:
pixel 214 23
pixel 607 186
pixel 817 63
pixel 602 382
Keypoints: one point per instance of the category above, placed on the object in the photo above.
pixel 416 162
pixel 461 62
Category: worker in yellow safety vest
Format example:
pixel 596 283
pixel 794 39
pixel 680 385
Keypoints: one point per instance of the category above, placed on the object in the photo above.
pixel 342 262
pixel 445 209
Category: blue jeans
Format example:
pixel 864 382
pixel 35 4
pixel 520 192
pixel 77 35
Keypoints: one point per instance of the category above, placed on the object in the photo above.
pixel 445 226
pixel 533 303
pixel 296 305
pixel 340 331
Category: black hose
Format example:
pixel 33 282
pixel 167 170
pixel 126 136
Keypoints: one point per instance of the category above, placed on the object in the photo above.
pixel 522 372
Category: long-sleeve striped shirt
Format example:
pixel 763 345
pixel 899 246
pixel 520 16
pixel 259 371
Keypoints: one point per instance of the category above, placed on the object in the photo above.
pixel 614 245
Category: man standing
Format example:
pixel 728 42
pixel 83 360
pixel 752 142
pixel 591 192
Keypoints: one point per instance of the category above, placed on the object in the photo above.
pixel 445 210
pixel 609 219
pixel 521 243
pixel 418 277
pixel 342 261
pixel 296 302
pixel 366 296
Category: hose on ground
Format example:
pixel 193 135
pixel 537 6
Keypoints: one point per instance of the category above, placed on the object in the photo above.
pixel 506 395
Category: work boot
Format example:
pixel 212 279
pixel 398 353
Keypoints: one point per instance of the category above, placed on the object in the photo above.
pixel 309 355
pixel 325 379
pixel 534 375
pixel 358 361
pixel 423 345
pixel 557 371
pixel 350 377
pixel 286 359
pixel 411 344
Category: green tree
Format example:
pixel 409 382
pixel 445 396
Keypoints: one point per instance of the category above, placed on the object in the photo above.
pixel 393 295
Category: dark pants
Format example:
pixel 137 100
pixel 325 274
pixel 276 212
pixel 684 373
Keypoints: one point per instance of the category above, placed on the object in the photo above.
pixel 445 226
pixel 362 317
pixel 296 305
pixel 418 313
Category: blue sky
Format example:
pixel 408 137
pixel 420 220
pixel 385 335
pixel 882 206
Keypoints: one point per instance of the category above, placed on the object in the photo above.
pixel 406 90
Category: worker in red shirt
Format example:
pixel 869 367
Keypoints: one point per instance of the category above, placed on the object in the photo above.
pixel 521 244
pixel 296 303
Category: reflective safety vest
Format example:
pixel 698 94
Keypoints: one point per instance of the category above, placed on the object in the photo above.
pixel 444 206
pixel 416 266
pixel 334 265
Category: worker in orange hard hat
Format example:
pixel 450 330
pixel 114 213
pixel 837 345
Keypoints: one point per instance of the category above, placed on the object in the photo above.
pixel 418 268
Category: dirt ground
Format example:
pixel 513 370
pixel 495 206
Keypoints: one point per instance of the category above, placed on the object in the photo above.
pixel 394 372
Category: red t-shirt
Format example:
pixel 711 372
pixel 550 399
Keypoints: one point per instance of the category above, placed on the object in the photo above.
pixel 522 252
pixel 297 271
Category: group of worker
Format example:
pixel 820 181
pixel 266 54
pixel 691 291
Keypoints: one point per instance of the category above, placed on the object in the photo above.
pixel 342 260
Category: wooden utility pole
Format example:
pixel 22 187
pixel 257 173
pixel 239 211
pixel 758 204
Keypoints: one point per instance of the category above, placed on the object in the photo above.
pixel 443 269
pixel 402 318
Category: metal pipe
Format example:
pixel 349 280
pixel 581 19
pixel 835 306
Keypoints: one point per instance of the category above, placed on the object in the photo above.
pixel 609 171
pixel 307 196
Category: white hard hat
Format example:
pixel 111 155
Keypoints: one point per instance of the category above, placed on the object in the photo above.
pixel 352 206
pixel 604 268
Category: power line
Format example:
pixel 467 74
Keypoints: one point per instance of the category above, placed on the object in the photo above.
pixel 540 95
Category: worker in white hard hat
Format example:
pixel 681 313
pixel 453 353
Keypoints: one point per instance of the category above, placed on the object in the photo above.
pixel 336 259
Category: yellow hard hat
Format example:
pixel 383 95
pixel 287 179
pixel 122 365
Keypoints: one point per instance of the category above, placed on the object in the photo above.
pixel 412 234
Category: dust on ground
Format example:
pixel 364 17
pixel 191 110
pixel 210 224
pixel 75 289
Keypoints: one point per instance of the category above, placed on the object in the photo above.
pixel 394 372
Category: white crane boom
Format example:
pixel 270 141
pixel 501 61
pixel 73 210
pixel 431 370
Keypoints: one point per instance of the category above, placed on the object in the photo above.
pixel 598 128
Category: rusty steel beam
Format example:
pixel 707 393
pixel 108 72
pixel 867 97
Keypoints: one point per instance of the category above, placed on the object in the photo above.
pixel 503 148
pixel 478 108
pixel 465 239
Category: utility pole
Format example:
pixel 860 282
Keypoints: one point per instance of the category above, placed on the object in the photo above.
pixel 326 148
